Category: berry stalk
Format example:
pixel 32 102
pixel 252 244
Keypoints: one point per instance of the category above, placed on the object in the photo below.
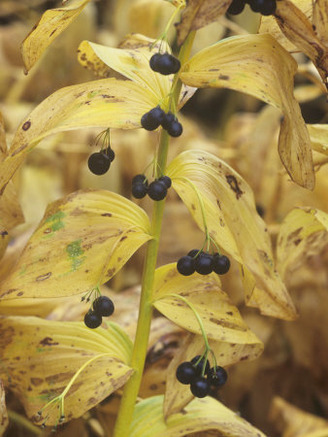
pixel 131 389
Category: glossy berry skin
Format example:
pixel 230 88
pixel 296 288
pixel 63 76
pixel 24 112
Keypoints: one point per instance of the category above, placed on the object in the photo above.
pixel 167 64
pixel 193 253
pixel 98 163
pixel 157 190
pixel 217 376
pixel 140 178
pixel 103 306
pixel 92 320
pixel 175 129
pixel 168 119
pixel 110 153
pixel 139 190
pixel 152 119
pixel 186 266
pixel 265 7
pixel 199 366
pixel 186 373
pixel 200 387
pixel 204 264
pixel 166 180
pixel 153 61
pixel 236 7
pixel 221 264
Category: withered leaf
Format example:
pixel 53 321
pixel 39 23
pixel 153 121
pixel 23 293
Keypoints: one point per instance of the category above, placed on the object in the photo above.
pixel 3 410
pixel 52 23
pixel 39 358
pixel 82 241
pixel 258 65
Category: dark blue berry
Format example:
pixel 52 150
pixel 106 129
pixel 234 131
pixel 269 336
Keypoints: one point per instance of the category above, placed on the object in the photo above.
pixel 193 253
pixel 167 64
pixel 200 387
pixel 98 163
pixel 265 7
pixel 236 7
pixel 140 178
pixel 92 320
pixel 166 180
pixel 157 190
pixel 152 119
pixel 139 190
pixel 200 364
pixel 221 264
pixel 204 263
pixel 186 266
pixel 110 153
pixel 217 376
pixel 103 306
pixel 168 119
pixel 175 129
pixel 153 61
pixel 186 373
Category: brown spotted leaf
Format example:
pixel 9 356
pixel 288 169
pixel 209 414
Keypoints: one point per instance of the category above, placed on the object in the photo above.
pixel 259 66
pixel 199 13
pixel 221 319
pixel 177 395
pixel 234 225
pixel 52 23
pixel 82 241
pixel 200 415
pixel 39 359
pixel 107 103
pixel 3 410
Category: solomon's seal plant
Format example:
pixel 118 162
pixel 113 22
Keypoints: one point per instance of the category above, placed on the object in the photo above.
pixel 60 370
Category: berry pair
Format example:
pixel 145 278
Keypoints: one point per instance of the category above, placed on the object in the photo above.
pixel 156 190
pixel 265 7
pixel 203 263
pixel 99 162
pixel 164 63
pixel 102 306
pixel 200 376
pixel 157 117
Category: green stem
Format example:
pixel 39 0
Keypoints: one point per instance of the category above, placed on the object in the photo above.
pixel 131 389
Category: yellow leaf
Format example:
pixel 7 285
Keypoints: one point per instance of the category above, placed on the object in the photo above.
pixel 177 395
pixel 52 23
pixel 294 422
pixel 232 205
pixel 320 20
pixel 319 139
pixel 258 65
pixel 104 103
pixel 303 232
pixel 222 320
pixel 199 13
pixel 39 358
pixel 82 241
pixel 3 410
pixel 200 415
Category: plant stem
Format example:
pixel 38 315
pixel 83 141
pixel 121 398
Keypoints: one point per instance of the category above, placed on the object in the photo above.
pixel 23 422
pixel 131 389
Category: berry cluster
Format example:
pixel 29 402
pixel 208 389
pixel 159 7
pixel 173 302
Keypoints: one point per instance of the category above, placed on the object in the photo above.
pixel 102 307
pixel 157 117
pixel 156 190
pixel 164 63
pixel 201 376
pixel 265 7
pixel 203 263
pixel 99 162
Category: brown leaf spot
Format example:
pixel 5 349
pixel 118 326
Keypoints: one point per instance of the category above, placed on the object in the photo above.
pixel 123 238
pixel 232 181
pixel 48 341
pixel 3 234
pixel 224 77
pixel 36 381
pixel 106 214
pixel 26 125
pixel 43 277
pixel 15 152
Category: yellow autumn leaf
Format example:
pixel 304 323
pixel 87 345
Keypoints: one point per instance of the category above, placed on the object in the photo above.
pixel 107 103
pixel 39 359
pixel 319 137
pixel 82 241
pixel 294 422
pixel 320 20
pixel 259 66
pixel 3 410
pixel 221 319
pixel 52 23
pixel 232 206
pixel 178 395
pixel 303 232
pixel 199 13
pixel 200 415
